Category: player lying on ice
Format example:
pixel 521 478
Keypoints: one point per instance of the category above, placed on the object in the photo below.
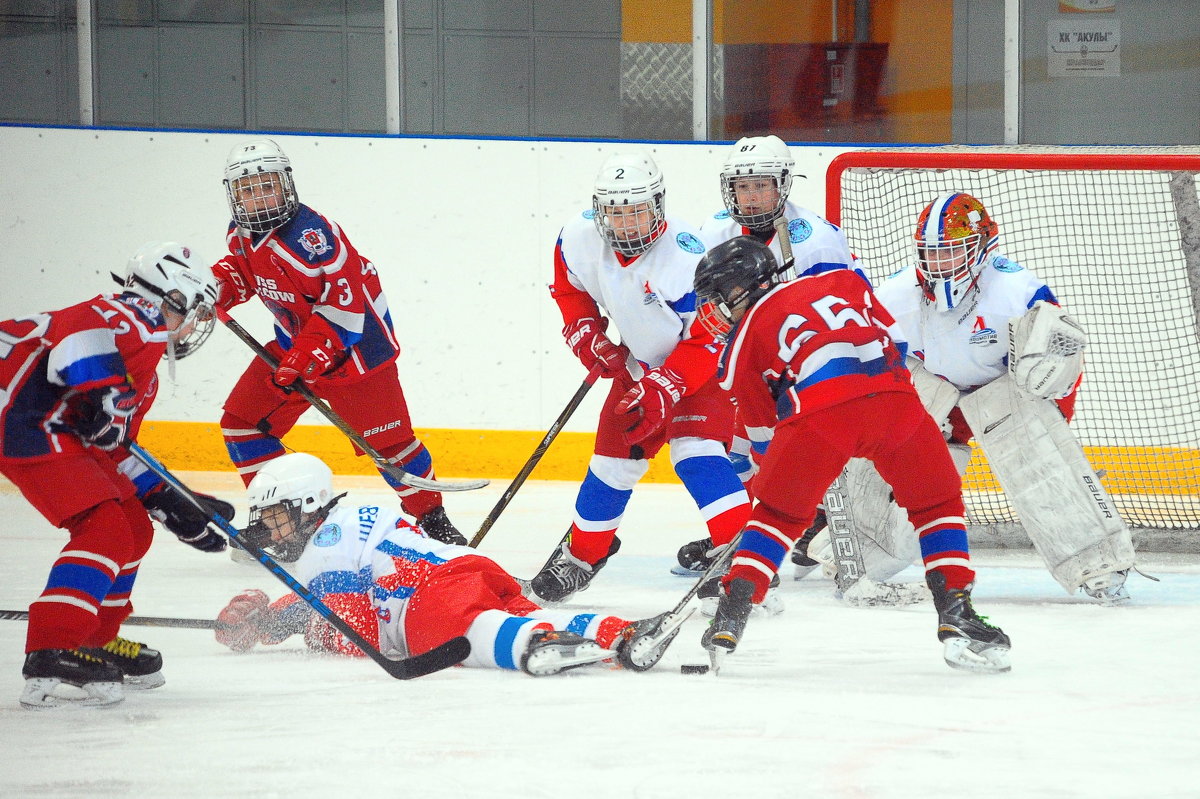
pixel 817 368
pixel 406 592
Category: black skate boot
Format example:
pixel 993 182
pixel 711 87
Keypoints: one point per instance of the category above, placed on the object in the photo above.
pixel 564 574
pixel 972 644
pixel 438 526
pixel 47 669
pixel 141 665
pixel 728 627
pixel 644 642
pixel 552 651
pixel 694 558
pixel 710 594
pixel 800 559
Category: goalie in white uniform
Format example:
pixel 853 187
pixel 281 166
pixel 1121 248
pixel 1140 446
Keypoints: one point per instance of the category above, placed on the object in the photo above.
pixel 997 359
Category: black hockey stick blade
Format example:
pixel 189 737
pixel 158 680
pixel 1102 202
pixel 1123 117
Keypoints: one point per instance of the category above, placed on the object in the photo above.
pixel 144 621
pixel 396 471
pixel 442 656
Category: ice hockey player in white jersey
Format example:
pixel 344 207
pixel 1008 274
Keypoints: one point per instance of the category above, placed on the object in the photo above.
pixel 407 593
pixel 990 339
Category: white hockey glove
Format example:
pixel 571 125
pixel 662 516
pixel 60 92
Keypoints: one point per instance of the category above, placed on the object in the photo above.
pixel 1045 351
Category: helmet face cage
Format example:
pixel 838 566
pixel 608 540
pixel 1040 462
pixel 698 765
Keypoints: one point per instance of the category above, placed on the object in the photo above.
pixel 754 159
pixel 954 236
pixel 289 521
pixel 629 203
pixel 169 276
pixel 259 186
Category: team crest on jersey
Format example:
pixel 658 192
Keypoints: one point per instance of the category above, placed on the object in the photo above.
pixel 1002 264
pixel 981 334
pixel 328 535
pixel 649 297
pixel 799 230
pixel 689 243
pixel 314 242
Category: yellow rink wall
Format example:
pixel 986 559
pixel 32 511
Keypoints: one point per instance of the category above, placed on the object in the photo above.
pixel 500 455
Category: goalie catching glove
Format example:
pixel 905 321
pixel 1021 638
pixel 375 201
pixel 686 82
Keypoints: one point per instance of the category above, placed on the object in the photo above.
pixel 648 404
pixel 1045 351
pixel 313 352
pixel 586 339
pixel 185 520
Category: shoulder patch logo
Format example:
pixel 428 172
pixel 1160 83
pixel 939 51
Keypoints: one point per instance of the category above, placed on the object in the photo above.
pixel 799 230
pixel 314 242
pixel 1002 264
pixel 721 214
pixel 589 213
pixel 328 535
pixel 689 243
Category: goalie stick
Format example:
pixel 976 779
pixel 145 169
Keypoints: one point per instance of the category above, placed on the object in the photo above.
pixel 440 657
pixel 323 408
pixel 143 621
pixel 536 457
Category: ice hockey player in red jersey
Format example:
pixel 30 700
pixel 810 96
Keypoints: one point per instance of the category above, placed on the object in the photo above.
pixel 78 382
pixel 817 366
pixel 405 592
pixel 333 330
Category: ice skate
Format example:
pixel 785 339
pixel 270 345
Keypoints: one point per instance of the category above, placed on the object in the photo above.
pixel 805 565
pixel 437 525
pixel 45 670
pixel 727 628
pixel 971 643
pixel 694 558
pixel 710 595
pixel 647 640
pixel 141 665
pixel 1108 588
pixel 565 574
pixel 552 651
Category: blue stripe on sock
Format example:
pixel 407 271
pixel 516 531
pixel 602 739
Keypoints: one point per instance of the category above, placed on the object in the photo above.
pixel 505 637
pixel 951 539
pixel 252 449
pixel 92 581
pixel 708 478
pixel 123 584
pixel 598 501
pixel 579 624
pixel 763 545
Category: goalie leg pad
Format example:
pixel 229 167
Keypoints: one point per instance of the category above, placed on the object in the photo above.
pixel 869 534
pixel 1066 512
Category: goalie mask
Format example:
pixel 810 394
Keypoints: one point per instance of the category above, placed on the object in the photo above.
pixel 290 498
pixel 259 186
pixel 730 278
pixel 629 203
pixel 182 286
pixel 756 180
pixel 954 237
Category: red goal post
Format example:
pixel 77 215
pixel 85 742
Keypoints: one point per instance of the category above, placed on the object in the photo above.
pixel 1115 232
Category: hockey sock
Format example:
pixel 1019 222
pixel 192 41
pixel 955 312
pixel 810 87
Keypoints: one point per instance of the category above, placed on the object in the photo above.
pixel 416 460
pixel 498 639
pixel 944 549
pixel 718 493
pixel 115 607
pixel 249 448
pixel 598 511
pixel 604 630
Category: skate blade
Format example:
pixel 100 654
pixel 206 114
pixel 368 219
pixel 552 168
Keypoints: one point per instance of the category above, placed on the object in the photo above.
pixel 716 657
pixel 683 571
pixel 976 656
pixel 549 661
pixel 39 694
pixel 145 682
pixel 652 647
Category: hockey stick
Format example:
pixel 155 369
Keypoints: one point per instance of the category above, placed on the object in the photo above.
pixel 323 408
pixel 440 657
pixel 785 246
pixel 144 621
pixel 536 457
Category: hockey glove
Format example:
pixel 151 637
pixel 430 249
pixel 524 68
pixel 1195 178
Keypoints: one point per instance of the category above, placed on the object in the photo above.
pixel 185 520
pixel 103 416
pixel 241 624
pixel 647 405
pixel 231 287
pixel 586 339
pixel 313 352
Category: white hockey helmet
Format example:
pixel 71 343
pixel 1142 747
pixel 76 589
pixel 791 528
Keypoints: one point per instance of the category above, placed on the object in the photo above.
pixel 757 157
pixel 172 277
pixel 259 186
pixel 628 202
pixel 300 486
pixel 955 234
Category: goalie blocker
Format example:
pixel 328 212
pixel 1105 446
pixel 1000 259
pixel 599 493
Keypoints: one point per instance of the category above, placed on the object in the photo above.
pixel 1065 510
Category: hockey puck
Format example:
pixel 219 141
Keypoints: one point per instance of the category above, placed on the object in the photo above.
pixel 694 668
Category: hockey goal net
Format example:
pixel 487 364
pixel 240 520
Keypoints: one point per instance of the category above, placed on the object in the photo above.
pixel 1115 232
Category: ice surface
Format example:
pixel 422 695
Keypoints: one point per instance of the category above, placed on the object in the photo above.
pixel 822 701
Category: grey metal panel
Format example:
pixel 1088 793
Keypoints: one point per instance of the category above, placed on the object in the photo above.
pixel 418 83
pixel 366 105
pixel 584 16
pixel 33 8
pixel 982 57
pixel 128 11
pixel 297 80
pixel 32 75
pixel 125 75
pixel 577 87
pixel 200 76
pixel 486 84
pixel 299 12
pixel 365 13
pixel 202 11
pixel 486 15
pixel 417 13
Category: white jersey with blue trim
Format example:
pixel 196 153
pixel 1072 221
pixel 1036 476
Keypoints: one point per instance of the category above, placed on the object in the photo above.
pixel 967 345
pixel 817 244
pixel 651 300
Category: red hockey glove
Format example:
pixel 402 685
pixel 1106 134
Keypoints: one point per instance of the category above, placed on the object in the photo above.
pixel 313 351
pixel 241 624
pixel 586 339
pixel 103 416
pixel 231 288
pixel 648 404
